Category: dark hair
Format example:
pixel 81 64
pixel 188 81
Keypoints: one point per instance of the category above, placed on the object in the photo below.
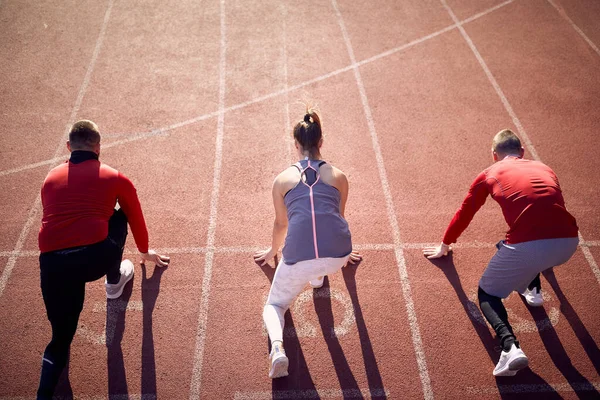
pixel 84 135
pixel 506 142
pixel 308 132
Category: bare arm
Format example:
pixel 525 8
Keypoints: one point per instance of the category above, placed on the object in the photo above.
pixel 281 222
pixel 341 184
pixel 279 225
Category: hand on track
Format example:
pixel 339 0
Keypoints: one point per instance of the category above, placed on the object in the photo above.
pixel 438 251
pixel 354 257
pixel 264 256
pixel 157 259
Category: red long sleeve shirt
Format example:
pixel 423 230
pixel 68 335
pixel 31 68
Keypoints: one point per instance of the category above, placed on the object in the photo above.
pixel 530 198
pixel 79 199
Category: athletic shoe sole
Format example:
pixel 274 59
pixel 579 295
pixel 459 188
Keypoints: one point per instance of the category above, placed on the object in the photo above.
pixel 120 292
pixel 513 366
pixel 318 284
pixel 279 367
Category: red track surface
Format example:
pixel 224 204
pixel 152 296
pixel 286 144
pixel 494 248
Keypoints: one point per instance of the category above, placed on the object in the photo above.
pixel 154 75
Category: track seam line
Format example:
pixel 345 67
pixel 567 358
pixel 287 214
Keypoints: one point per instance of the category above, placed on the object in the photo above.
pixel 35 208
pixel 163 131
pixel 564 15
pixel 403 273
pixel 586 251
pixel 196 383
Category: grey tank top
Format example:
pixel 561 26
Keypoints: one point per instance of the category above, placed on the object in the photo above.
pixel 316 229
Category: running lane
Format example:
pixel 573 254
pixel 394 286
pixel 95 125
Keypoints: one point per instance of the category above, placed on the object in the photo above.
pixel 551 77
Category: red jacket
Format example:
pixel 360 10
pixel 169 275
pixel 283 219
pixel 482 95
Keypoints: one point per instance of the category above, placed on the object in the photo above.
pixel 530 198
pixel 79 199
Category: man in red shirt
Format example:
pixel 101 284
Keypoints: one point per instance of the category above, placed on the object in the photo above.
pixel 81 239
pixel 541 235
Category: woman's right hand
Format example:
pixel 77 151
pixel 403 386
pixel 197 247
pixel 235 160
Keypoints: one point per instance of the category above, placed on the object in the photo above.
pixel 264 256
pixel 353 258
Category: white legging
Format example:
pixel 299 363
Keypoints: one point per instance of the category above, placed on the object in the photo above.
pixel 288 282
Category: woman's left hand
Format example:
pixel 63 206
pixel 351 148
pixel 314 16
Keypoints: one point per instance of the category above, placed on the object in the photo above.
pixel 353 258
pixel 264 256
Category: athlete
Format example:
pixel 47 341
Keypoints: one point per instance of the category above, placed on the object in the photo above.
pixel 82 239
pixel 541 235
pixel 310 199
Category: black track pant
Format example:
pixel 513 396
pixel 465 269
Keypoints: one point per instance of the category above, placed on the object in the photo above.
pixel 64 274
pixel 494 311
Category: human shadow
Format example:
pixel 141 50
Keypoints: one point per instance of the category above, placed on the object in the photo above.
pixel 323 308
pixel 299 376
pixel 587 341
pixel 63 389
pixel 374 379
pixel 150 291
pixel 580 384
pixel 504 384
pixel 115 328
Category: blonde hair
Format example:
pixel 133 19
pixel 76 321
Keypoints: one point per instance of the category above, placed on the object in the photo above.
pixel 84 135
pixel 506 142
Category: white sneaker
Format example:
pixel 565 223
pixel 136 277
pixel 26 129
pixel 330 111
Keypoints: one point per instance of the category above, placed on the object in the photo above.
pixel 317 283
pixel 533 297
pixel 115 290
pixel 510 362
pixel 279 362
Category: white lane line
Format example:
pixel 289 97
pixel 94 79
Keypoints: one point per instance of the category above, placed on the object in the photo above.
pixel 535 388
pixel 35 208
pixel 399 252
pixel 577 29
pixel 253 249
pixel 312 394
pixel 481 14
pixel 590 243
pixel 22 168
pixel 586 251
pixel 590 258
pixel 196 382
pixel 132 137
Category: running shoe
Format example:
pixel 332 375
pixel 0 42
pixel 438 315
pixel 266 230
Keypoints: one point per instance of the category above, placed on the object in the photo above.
pixel 533 297
pixel 317 283
pixel 510 362
pixel 115 290
pixel 278 362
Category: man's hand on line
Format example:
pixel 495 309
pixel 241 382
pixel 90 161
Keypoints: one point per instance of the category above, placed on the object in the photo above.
pixel 438 251
pixel 157 259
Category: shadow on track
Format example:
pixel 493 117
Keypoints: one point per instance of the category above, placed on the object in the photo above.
pixel 299 378
pixel 372 370
pixel 63 389
pixel 323 308
pixel 587 341
pixel 504 384
pixel 580 385
pixel 115 328
pixel 150 291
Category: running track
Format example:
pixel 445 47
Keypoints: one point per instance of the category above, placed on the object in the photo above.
pixel 197 99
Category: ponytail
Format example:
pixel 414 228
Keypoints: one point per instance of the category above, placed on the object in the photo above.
pixel 308 132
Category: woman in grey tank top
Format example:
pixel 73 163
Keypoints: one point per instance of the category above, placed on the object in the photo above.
pixel 309 198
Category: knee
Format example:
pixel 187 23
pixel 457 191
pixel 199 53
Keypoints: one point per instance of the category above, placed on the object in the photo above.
pixel 273 307
pixel 483 296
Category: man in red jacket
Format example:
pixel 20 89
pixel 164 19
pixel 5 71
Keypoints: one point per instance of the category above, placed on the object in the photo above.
pixel 542 234
pixel 81 239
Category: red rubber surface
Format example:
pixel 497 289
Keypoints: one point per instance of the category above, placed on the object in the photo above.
pixel 195 329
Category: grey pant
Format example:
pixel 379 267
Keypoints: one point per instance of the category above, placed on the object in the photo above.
pixel 514 266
